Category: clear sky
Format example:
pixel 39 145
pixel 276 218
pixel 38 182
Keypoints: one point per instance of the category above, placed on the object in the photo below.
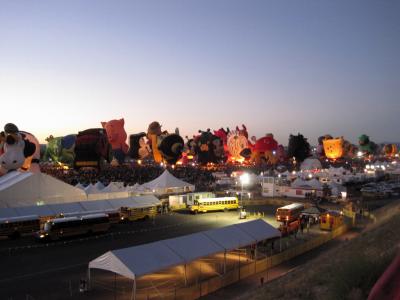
pixel 284 67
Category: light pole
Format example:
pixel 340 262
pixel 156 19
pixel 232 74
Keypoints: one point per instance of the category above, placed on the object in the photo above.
pixel 244 179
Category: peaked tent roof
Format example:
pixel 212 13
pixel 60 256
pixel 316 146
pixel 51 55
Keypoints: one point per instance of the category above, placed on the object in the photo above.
pixel 112 187
pixel 140 260
pixel 26 188
pixel 230 237
pixel 99 185
pixel 165 180
pixel 137 261
pixel 193 246
pixel 91 189
pixel 80 186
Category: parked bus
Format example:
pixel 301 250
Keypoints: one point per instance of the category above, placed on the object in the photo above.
pixel 289 228
pixel 213 204
pixel 16 226
pixel 289 213
pixel 135 213
pixel 113 215
pixel 57 228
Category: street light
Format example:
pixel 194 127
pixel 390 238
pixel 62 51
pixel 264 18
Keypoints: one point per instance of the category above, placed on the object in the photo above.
pixel 244 179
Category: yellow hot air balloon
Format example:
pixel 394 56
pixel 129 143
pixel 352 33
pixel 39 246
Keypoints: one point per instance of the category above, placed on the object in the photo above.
pixel 333 148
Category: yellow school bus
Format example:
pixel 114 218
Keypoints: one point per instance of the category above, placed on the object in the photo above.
pixel 214 204
pixel 135 213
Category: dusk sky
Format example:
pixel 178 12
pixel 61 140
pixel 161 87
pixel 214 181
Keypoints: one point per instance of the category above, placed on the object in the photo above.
pixel 313 67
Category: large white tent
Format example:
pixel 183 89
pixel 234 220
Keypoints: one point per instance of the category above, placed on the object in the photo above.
pixel 140 260
pixel 80 207
pixel 166 183
pixel 24 189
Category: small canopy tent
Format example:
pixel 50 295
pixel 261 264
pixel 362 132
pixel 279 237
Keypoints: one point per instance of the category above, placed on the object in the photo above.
pixel 24 189
pixel 166 183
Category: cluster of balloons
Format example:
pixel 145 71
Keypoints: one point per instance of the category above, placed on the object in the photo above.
pixel 336 148
pixel 94 146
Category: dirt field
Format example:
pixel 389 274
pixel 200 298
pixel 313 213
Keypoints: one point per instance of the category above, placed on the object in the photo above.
pixel 346 272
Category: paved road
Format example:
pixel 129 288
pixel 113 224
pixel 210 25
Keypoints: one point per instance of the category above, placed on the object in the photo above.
pixel 52 271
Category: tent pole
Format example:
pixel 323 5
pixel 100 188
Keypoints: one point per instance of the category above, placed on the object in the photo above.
pixel 115 286
pixel 255 259
pixel 185 276
pixel 134 289
pixel 225 262
pixel 239 263
pixel 89 279
pixel 133 295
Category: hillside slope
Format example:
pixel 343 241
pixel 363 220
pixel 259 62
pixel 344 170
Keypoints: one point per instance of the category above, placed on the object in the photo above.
pixel 345 272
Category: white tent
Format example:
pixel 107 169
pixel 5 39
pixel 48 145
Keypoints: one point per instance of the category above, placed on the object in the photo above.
pixel 338 171
pixel 39 210
pixel 140 260
pixel 111 191
pixel 105 195
pixel 80 207
pixel 91 189
pixel 80 186
pixel 336 188
pixel 8 212
pixel 66 207
pixel 24 189
pixel 131 262
pixel 96 205
pixel 134 202
pixel 314 183
pixel 99 185
pixel 298 182
pixel 166 183
pixel 113 187
pixel 310 164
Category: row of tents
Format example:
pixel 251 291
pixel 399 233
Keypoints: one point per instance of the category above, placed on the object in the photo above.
pixel 166 183
pixel 26 193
